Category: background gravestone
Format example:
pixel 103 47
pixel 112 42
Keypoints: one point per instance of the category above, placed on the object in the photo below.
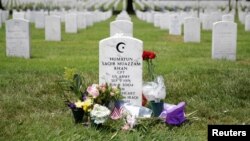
pixel 18 15
pixel 81 20
pixel 89 19
pixel 228 17
pixel 32 17
pixel 192 30
pixel 52 28
pixel 205 21
pixel 224 38
pixel 18 38
pixel 157 17
pixel 120 63
pixel 40 20
pixel 164 21
pixel 27 15
pixel 121 26
pixel 174 25
pixel 247 22
pixel 71 23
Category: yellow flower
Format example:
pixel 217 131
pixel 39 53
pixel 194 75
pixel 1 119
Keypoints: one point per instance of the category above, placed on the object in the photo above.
pixel 87 104
pixel 79 104
pixel 69 73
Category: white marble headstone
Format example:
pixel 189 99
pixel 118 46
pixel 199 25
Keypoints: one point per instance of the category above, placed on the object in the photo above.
pixel 242 16
pixel 215 17
pixel 32 16
pixel 157 20
pixel 90 19
pixel 228 17
pixel 205 18
pixel 71 23
pixel 149 17
pixel 174 25
pixel 18 38
pixel 164 21
pixel 224 39
pixel 40 20
pixel 81 20
pixel 120 63
pixel 52 28
pixel 247 22
pixel 27 15
pixel 121 27
pixel 192 30
pixel 18 15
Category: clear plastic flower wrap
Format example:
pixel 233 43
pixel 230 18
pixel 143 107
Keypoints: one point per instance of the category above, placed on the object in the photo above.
pixel 156 90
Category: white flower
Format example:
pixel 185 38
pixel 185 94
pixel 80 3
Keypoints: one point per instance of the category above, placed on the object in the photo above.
pixel 99 113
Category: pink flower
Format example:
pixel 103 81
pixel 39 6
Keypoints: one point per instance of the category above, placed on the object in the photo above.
pixel 93 90
pixel 103 88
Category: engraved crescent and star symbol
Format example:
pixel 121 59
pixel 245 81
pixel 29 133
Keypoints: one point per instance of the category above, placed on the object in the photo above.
pixel 120 47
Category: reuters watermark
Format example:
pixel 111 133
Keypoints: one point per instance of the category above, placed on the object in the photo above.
pixel 240 132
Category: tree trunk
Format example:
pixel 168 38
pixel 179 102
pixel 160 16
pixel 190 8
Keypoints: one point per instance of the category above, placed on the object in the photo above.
pixel 1 5
pixel 130 9
pixel 229 5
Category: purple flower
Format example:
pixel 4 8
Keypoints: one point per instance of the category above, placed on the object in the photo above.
pixel 174 114
pixel 84 97
pixel 71 105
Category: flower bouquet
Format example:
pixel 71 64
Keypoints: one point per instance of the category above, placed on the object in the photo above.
pixel 72 86
pixel 89 103
pixel 154 90
pixel 105 94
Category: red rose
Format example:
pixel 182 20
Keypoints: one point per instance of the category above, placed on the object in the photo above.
pixel 151 55
pixel 144 55
pixel 148 55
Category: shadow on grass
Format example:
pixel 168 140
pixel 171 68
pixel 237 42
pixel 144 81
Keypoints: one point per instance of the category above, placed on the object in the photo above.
pixel 186 123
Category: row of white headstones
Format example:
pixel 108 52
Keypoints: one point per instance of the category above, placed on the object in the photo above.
pixel 224 30
pixel 18 29
pixel 120 55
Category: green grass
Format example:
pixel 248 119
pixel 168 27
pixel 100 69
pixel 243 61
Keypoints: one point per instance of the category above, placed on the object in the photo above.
pixel 32 108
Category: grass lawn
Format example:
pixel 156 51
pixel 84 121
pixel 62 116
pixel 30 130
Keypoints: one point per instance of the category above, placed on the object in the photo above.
pixel 32 107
